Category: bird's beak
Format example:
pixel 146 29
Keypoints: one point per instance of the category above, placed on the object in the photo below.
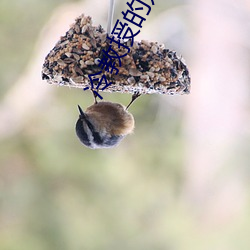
pixel 82 115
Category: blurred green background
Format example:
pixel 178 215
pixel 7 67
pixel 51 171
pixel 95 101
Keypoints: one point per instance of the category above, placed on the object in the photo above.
pixel 180 182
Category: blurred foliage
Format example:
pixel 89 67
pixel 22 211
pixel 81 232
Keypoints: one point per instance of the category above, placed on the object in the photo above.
pixel 56 194
pixel 20 23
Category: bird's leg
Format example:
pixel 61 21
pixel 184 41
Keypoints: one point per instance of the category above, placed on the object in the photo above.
pixel 134 97
pixel 95 95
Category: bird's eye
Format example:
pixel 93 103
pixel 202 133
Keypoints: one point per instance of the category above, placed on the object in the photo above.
pixel 80 58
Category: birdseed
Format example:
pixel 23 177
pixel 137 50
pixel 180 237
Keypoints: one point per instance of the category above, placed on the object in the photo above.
pixel 148 68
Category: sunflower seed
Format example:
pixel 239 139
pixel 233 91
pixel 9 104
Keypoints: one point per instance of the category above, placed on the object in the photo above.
pixel 134 72
pixel 154 49
pixel 89 62
pixel 85 46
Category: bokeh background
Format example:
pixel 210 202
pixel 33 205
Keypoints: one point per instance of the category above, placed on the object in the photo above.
pixel 180 182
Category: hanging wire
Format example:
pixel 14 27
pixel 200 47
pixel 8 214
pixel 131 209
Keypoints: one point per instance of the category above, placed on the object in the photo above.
pixel 110 15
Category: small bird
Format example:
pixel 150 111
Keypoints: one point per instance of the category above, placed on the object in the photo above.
pixel 104 125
